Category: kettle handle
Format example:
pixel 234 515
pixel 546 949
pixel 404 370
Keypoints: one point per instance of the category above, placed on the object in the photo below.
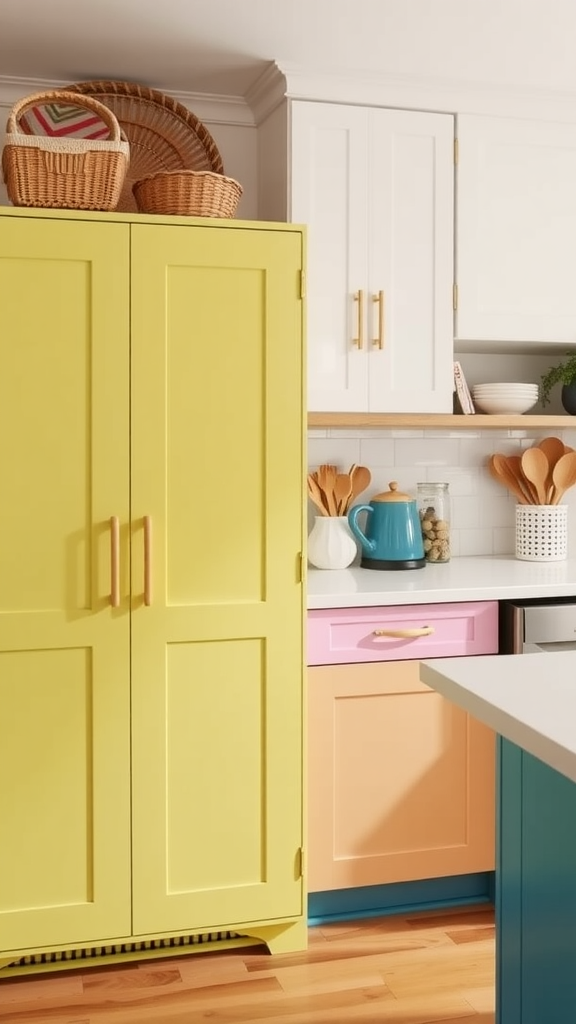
pixel 367 545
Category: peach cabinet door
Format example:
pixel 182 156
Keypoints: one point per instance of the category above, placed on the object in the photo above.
pixel 401 782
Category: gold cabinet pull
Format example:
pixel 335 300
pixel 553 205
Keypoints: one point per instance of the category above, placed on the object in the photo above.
pixel 148 560
pixel 359 298
pixel 405 634
pixel 114 561
pixel 378 341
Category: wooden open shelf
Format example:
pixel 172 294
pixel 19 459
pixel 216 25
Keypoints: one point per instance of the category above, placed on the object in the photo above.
pixel 438 421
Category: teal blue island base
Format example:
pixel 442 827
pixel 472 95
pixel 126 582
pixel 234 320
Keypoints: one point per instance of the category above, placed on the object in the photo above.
pixel 535 891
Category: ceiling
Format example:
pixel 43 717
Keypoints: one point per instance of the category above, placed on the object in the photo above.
pixel 221 46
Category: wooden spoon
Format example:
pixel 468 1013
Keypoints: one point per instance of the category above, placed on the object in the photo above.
pixel 342 492
pixel 563 476
pixel 535 469
pixel 514 466
pixel 361 477
pixel 553 449
pixel 498 466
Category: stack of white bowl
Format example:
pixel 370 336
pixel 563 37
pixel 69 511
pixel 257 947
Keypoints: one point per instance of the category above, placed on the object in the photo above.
pixel 505 399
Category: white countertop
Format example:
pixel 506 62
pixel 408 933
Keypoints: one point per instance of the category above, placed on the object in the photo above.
pixel 462 579
pixel 530 699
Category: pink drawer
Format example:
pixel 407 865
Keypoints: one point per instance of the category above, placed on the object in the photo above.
pixel 337 636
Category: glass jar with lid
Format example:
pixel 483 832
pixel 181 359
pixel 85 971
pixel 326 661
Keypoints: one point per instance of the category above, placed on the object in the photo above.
pixel 434 510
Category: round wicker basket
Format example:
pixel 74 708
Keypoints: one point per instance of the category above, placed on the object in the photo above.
pixel 163 134
pixel 188 194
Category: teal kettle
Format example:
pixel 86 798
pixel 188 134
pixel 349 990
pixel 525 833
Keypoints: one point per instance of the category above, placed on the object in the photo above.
pixel 393 537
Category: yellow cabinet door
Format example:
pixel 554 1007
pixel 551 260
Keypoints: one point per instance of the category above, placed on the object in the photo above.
pixel 401 781
pixel 64 652
pixel 217 528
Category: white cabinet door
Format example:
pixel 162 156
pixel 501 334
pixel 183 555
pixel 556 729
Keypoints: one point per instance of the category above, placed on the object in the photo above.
pixel 411 258
pixel 516 230
pixel 329 194
pixel 375 188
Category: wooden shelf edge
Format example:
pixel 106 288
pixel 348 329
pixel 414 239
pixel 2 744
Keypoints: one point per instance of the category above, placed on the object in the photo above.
pixel 435 421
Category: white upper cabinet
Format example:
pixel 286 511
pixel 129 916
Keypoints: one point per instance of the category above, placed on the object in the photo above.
pixel 516 230
pixel 375 188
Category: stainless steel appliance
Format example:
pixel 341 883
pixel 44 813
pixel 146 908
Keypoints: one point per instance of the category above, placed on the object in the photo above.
pixel 538 626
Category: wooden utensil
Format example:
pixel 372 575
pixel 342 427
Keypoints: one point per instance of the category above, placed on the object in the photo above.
pixel 563 476
pixel 553 449
pixel 342 492
pixel 326 477
pixel 514 466
pixel 361 477
pixel 498 466
pixel 535 469
pixel 316 495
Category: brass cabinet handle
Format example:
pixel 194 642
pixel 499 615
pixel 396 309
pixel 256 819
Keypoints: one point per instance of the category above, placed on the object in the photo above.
pixel 379 340
pixel 114 561
pixel 359 298
pixel 405 634
pixel 148 560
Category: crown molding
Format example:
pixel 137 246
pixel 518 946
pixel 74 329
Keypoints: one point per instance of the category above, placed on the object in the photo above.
pixel 266 92
pixel 230 110
pixel 451 96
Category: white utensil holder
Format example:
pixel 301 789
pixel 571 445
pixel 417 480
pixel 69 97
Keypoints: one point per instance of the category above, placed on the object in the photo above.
pixel 541 533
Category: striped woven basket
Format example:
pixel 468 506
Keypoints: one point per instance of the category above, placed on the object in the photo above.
pixel 59 170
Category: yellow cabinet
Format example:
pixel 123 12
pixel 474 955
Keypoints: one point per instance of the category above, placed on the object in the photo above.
pixel 217 654
pixel 151 457
pixel 64 651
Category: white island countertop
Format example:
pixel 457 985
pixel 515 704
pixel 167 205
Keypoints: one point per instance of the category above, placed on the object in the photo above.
pixel 485 578
pixel 530 699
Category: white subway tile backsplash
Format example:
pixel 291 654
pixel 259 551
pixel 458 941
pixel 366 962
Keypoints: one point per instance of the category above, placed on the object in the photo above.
pixel 467 512
pixel 341 452
pixel 405 476
pixel 504 540
pixel 407 433
pixel 377 452
pixel 476 542
pixel 427 452
pixel 502 511
pixel 483 513
pixel 459 479
pixel 475 451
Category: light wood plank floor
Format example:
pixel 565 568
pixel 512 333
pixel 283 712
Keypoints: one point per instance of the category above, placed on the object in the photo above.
pixel 433 967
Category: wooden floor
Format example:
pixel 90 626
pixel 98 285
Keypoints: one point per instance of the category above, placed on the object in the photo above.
pixel 392 970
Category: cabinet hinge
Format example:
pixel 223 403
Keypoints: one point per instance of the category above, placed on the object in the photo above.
pixel 302 284
pixel 456 151
pixel 455 297
pixel 300 863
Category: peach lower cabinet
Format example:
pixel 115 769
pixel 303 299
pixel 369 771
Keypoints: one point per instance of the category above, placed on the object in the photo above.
pixel 400 781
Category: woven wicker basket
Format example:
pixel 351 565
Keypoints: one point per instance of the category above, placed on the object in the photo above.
pixel 188 194
pixel 163 134
pixel 67 173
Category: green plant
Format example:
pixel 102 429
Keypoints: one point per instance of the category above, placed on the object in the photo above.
pixel 562 373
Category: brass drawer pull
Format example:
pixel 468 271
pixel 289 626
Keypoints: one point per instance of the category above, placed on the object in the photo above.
pixel 405 634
